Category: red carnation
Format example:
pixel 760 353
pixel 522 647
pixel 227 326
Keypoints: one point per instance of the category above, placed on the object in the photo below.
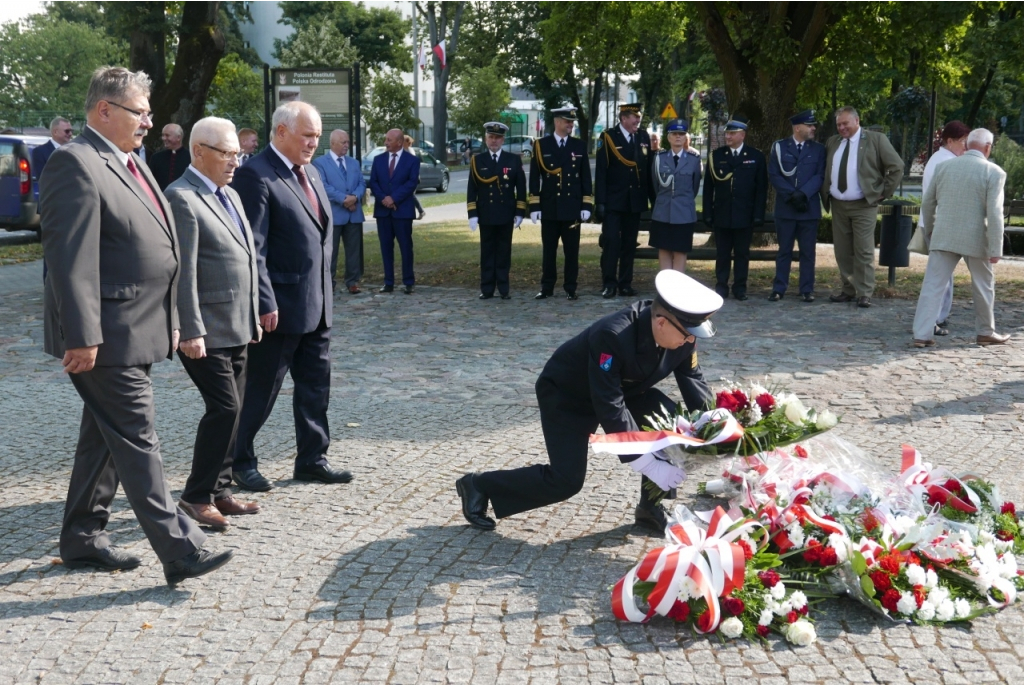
pixel 911 558
pixel 890 563
pixel 748 553
pixel 870 522
pixel 813 553
pixel 725 400
pixel 800 451
pixel 762 631
pixel 792 617
pixel 1008 508
pixel 890 599
pixel 881 580
pixel 766 402
pixel 704 622
pixel 1005 536
pixel 734 606
pixel 680 611
pixel 803 610
pixel 919 595
pixel 828 557
pixel 769 578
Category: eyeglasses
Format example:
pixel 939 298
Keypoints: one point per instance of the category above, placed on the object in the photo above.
pixel 225 155
pixel 679 327
pixel 66 130
pixel 147 116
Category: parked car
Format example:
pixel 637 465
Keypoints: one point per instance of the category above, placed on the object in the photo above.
pixel 455 148
pixel 433 174
pixel 519 145
pixel 19 192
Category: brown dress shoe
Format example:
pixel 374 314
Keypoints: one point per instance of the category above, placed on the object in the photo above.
pixel 204 515
pixel 994 339
pixel 841 297
pixel 354 289
pixel 923 343
pixel 229 506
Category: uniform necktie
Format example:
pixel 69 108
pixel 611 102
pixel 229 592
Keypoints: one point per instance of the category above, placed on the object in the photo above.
pixel 391 168
pixel 308 190
pixel 735 153
pixel 629 139
pixel 495 158
pixel 145 187
pixel 799 148
pixel 561 143
pixel 230 209
pixel 675 160
pixel 842 166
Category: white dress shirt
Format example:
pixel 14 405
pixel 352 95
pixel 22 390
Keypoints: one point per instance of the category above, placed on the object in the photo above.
pixel 287 162
pixel 853 191
pixel 209 184
pixel 558 140
pixel 737 151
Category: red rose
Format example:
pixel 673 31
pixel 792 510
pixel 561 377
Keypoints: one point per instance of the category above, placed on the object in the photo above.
pixel 766 402
pixel 953 485
pixel 803 610
pixel 725 400
pixel 769 578
pixel 828 557
pixel 919 595
pixel 881 580
pixel 1008 508
pixel 800 451
pixel 792 617
pixel 890 563
pixel 762 631
pixel 704 622
pixel 742 401
pixel 733 606
pixel 680 611
pixel 890 599
pixel 748 553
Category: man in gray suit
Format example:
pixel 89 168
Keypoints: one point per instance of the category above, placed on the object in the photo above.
pixel 110 308
pixel 217 308
pixel 962 216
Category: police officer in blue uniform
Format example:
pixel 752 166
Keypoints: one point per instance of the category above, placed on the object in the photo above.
pixel 735 192
pixel 796 168
pixel 496 203
pixel 622 192
pixel 675 177
pixel 561 196
pixel 605 376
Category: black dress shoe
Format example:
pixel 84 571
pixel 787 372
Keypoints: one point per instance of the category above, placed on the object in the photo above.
pixel 740 296
pixel 408 290
pixel 841 297
pixel 484 296
pixel 627 291
pixel 108 559
pixel 608 293
pixel 542 295
pixel 252 480
pixel 651 516
pixel 506 296
pixel 572 296
pixel 808 297
pixel 474 503
pixel 864 302
pixel 199 563
pixel 323 473
pixel 387 289
pixel 775 297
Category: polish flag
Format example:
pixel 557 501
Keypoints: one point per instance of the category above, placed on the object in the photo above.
pixel 439 51
pixel 422 59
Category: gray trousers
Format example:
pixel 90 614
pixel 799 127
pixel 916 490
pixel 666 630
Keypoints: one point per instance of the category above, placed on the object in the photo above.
pixel 351 236
pixel 936 278
pixel 117 443
pixel 853 238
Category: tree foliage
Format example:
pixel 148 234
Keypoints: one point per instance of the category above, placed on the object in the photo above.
pixel 319 44
pixel 377 34
pixel 481 97
pixel 389 105
pixel 236 92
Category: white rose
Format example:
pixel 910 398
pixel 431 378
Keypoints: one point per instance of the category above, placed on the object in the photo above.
pixel 926 612
pixel 916 575
pixel 779 591
pixel 798 600
pixel 801 633
pixel 962 608
pixel 907 604
pixel 795 411
pixel 765 619
pixel 945 611
pixel 732 627
pixel 826 420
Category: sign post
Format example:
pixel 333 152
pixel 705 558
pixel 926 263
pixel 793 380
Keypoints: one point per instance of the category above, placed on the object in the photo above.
pixel 334 92
pixel 669 112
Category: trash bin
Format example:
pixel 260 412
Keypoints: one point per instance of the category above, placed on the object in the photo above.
pixel 897 227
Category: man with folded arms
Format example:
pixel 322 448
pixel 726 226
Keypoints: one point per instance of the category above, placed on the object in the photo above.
pixel 217 308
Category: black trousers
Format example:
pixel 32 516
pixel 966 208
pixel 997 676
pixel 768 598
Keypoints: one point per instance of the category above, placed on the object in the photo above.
pixel 729 242
pixel 569 233
pixel 619 232
pixel 308 358
pixel 351 236
pixel 117 443
pixel 567 438
pixel 220 378
pixel 495 257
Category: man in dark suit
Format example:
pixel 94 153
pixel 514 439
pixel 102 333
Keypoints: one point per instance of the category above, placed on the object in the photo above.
pixel 496 204
pixel 393 180
pixel 110 307
pixel 218 304
pixel 248 140
pixel 170 163
pixel 735 192
pixel 796 169
pixel 344 183
pixel 622 191
pixel 60 134
pixel 290 216
pixel 561 197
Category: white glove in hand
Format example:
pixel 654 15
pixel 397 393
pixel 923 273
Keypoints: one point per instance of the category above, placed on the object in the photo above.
pixel 518 221
pixel 585 215
pixel 473 223
pixel 665 475
pixel 534 217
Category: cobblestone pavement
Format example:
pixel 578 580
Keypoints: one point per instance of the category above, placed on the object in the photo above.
pixel 381 581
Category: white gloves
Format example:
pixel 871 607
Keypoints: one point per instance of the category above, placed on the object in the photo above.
pixel 584 215
pixel 518 221
pixel 534 217
pixel 473 223
pixel 665 475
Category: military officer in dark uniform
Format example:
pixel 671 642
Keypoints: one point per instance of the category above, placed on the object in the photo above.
pixel 796 168
pixel 735 191
pixel 561 196
pixel 622 192
pixel 605 376
pixel 496 203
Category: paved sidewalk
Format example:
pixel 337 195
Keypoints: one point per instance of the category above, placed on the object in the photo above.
pixel 381 581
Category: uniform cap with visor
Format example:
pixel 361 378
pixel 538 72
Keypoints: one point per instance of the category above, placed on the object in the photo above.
pixel 688 301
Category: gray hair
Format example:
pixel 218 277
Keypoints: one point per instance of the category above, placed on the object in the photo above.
pixel 57 121
pixel 848 110
pixel 288 114
pixel 175 130
pixel 115 84
pixel 980 137
pixel 210 130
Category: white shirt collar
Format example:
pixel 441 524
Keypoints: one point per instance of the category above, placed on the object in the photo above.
pixel 56 143
pixel 737 151
pixel 396 154
pixel 559 139
pixel 855 138
pixel 798 142
pixel 122 156
pixel 209 184
pixel 287 162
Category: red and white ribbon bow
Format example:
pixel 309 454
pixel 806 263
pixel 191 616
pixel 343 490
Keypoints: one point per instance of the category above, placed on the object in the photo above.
pixel 644 442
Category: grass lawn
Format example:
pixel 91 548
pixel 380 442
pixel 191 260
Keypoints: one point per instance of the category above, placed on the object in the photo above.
pixel 436 199
pixel 13 254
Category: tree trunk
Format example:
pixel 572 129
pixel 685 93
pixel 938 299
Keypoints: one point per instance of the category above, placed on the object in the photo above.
pixel 436 14
pixel 979 97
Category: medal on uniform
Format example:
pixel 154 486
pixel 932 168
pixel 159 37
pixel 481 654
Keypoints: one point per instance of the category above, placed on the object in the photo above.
pixel 505 172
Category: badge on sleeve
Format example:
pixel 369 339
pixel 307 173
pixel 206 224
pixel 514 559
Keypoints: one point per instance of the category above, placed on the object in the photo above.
pixel 606 361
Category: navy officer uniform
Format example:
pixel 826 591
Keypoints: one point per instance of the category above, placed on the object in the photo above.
pixel 605 376
pixel 496 204
pixel 735 192
pixel 622 191
pixel 561 196
pixel 796 169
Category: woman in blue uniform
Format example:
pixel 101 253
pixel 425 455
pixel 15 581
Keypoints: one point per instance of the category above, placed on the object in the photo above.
pixel 675 176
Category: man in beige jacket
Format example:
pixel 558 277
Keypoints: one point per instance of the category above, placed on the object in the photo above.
pixel 962 213
pixel 862 168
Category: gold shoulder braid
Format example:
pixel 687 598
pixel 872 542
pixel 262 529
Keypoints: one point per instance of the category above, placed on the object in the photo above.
pixel 722 179
pixel 540 160
pixel 476 174
pixel 610 145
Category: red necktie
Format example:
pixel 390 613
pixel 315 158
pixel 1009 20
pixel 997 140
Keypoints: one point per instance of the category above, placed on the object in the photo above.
pixel 391 169
pixel 145 187
pixel 308 190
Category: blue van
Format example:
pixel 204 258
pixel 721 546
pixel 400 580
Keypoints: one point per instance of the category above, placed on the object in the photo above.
pixel 19 190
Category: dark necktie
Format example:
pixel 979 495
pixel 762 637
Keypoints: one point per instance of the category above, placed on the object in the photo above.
pixel 230 209
pixel 799 148
pixel 341 164
pixel 842 166
pixel 561 143
pixel 735 154
pixel 629 139
pixel 495 158
pixel 145 187
pixel 308 190
pixel 391 168
pixel 675 160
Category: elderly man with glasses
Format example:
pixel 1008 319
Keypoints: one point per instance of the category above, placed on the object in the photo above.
pixel 60 134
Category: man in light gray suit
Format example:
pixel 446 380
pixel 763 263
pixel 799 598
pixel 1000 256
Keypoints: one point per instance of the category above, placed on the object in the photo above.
pixel 962 216
pixel 110 311
pixel 218 301
pixel 345 186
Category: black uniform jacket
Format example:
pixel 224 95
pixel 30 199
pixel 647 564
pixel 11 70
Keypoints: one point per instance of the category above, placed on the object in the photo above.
pixel 560 183
pixel 623 172
pixel 496 193
pixel 590 377
pixel 735 189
